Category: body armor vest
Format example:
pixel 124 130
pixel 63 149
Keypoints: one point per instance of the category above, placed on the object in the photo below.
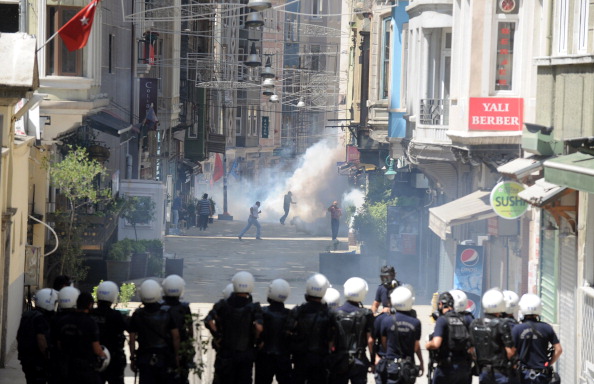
pixel 351 327
pixel 153 330
pixel 237 326
pixel 181 314
pixel 275 341
pixel 312 331
pixel 486 335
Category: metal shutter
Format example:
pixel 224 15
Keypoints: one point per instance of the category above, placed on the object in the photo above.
pixel 567 314
pixel 548 276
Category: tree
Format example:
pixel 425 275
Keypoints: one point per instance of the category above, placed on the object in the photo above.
pixel 76 177
pixel 138 210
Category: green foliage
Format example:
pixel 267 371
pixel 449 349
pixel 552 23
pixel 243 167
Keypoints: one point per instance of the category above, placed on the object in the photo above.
pixel 192 350
pixel 122 251
pixel 138 210
pixel 127 291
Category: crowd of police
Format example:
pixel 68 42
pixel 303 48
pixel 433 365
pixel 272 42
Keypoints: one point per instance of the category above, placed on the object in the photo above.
pixel 318 342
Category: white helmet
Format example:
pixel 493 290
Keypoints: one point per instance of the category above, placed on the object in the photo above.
pixel 316 285
pixel 228 291
pixel 105 362
pixel 402 299
pixel 67 297
pixel 493 301
pixel 150 291
pixel 46 298
pixel 460 300
pixel 331 298
pixel 279 290
pixel 243 282
pixel 511 301
pixel 355 289
pixel 173 286
pixel 108 291
pixel 530 304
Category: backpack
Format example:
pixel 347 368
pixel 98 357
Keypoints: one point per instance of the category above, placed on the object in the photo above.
pixel 458 335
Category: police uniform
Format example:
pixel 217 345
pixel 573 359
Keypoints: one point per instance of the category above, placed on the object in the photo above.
pixel 532 339
pixel 155 357
pixel 352 326
pixel 75 334
pixel 453 367
pixel 274 358
pixel 377 342
pixel 491 336
pixel 34 363
pixel 401 331
pixel 182 317
pixel 235 319
pixel 309 328
pixel 111 335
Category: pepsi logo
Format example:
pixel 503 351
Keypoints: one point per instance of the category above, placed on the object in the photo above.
pixel 471 306
pixel 469 257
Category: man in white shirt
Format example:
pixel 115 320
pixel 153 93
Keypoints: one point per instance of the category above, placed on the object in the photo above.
pixel 253 220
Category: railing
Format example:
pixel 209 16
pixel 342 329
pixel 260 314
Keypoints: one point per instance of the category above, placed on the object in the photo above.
pixel 434 111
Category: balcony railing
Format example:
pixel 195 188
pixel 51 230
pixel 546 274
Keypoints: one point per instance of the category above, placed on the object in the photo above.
pixel 434 111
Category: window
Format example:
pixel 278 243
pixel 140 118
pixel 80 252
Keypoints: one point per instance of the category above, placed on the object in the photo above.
pixel 563 17
pixel 582 26
pixel 111 53
pixel 315 58
pixel 253 122
pixel 60 61
pixel 317 8
pixel 385 58
pixel 238 121
pixel 9 17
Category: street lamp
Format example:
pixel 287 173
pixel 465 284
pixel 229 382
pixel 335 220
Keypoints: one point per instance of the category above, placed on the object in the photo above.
pixel 390 173
pixel 301 103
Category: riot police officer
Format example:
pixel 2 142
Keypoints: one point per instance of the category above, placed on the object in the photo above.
pixel 352 328
pixel 273 358
pixel 173 289
pixel 400 335
pixel 382 293
pixel 156 359
pixel 511 307
pixel 33 337
pixel 492 340
pixel 532 338
pixel 236 324
pixel 111 331
pixel 308 326
pixel 453 360
pixel 461 304
pixel 331 298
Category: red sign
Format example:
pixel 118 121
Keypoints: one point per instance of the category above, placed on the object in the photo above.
pixel 495 114
pixel 353 156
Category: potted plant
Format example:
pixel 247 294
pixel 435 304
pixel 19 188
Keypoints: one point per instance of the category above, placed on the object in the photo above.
pixel 118 260
pixel 127 291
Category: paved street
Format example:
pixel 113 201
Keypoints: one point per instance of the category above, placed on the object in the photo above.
pixel 211 258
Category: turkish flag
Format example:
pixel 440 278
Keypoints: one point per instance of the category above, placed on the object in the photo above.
pixel 75 33
pixel 218 168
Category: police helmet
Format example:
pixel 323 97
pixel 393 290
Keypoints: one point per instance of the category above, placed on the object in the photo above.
pixel 402 299
pixel 460 300
pixel 67 297
pixel 104 363
pixel 243 282
pixel 331 298
pixel 316 285
pixel 387 274
pixel 279 290
pixel 150 291
pixel 228 291
pixel 355 289
pixel 511 301
pixel 530 304
pixel 108 291
pixel 173 286
pixel 446 299
pixel 46 298
pixel 493 301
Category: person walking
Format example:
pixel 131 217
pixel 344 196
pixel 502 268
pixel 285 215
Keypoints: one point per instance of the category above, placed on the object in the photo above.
pixel 204 211
pixel 253 220
pixel 156 359
pixel 308 327
pixel 400 335
pixel 335 214
pixel 532 339
pixel 273 357
pixel 492 339
pixel 287 201
pixel 111 331
pixel 33 337
pixel 176 207
pixel 352 328
pixel 236 324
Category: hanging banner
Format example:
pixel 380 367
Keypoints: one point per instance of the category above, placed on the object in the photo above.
pixel 468 275
pixel 147 96
pixel 265 126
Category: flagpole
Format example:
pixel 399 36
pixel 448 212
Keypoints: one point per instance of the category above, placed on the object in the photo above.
pixel 47 42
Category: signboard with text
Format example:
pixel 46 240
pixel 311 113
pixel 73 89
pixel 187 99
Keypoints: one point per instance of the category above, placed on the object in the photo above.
pixel 505 200
pixel 468 275
pixel 265 126
pixel 495 114
pixel 147 95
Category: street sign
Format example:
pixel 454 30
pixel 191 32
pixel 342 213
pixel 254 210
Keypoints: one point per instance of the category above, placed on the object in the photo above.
pixel 265 126
pixel 505 200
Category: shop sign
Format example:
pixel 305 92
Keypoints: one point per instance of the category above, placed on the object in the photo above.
pixel 505 200
pixel 495 114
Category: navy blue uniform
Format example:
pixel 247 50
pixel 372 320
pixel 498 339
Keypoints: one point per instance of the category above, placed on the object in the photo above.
pixel 273 358
pixel 111 335
pixel 402 331
pixel 453 366
pixel 35 364
pixel 532 339
pixel 491 336
pixel 377 337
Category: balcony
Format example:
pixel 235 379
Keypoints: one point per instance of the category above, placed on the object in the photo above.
pixel 432 124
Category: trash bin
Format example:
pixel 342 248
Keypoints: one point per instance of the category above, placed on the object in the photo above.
pixel 174 267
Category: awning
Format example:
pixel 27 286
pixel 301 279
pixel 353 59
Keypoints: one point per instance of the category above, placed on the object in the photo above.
pixel 473 207
pixel 541 193
pixel 574 171
pixel 108 123
pixel 522 167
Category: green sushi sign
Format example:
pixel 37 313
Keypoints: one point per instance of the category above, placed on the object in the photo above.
pixel 505 200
